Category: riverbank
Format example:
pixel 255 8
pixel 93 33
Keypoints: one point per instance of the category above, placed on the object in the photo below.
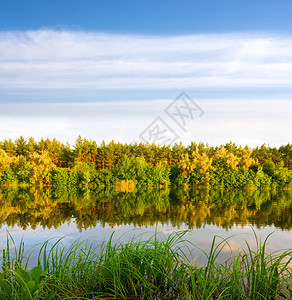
pixel 157 268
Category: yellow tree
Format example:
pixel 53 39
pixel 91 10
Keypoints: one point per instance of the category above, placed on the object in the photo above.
pixel 245 157
pixel 226 159
pixel 5 160
pixel 202 163
pixel 42 166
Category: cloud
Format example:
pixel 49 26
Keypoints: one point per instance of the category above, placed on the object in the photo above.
pixel 44 65
pixel 252 122
pixel 47 59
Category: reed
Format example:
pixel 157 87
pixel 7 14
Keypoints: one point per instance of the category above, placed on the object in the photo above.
pixel 155 268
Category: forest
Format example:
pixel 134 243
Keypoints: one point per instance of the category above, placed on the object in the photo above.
pixel 48 162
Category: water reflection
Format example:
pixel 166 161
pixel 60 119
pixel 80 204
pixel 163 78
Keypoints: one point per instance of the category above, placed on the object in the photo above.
pixel 50 208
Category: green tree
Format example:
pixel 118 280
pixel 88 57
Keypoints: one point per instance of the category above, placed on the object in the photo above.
pixel 9 147
pixel 286 153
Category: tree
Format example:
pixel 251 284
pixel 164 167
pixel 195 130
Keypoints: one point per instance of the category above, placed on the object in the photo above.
pixel 9 147
pixel 224 158
pixel 21 146
pixel 42 166
pixel 286 153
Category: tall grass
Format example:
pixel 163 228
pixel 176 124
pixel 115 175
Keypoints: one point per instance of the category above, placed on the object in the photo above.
pixel 156 268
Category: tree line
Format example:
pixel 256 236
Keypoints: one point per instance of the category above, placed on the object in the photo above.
pixel 87 163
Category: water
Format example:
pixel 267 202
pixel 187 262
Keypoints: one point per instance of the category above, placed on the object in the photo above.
pixel 37 215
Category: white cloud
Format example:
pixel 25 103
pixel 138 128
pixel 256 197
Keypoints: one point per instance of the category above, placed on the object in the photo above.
pixel 251 122
pixel 70 60
pixel 41 64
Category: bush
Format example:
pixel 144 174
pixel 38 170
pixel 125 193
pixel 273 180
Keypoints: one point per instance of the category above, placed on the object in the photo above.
pixel 135 169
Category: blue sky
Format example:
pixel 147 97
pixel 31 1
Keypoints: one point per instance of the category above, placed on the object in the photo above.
pixel 148 17
pixel 107 69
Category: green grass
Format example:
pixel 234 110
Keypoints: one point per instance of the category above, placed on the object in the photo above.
pixel 156 268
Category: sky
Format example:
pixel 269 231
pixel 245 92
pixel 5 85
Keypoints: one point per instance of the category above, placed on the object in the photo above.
pixel 151 71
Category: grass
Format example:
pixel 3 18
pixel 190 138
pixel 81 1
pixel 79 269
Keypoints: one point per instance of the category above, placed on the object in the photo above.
pixel 156 268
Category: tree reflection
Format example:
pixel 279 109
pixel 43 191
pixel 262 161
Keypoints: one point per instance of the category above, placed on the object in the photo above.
pixel 50 208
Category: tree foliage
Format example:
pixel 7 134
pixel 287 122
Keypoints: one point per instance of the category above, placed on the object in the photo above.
pixel 50 162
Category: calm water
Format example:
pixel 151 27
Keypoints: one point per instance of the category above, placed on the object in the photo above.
pixel 37 215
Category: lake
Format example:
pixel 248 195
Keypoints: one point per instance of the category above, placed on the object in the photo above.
pixel 40 214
